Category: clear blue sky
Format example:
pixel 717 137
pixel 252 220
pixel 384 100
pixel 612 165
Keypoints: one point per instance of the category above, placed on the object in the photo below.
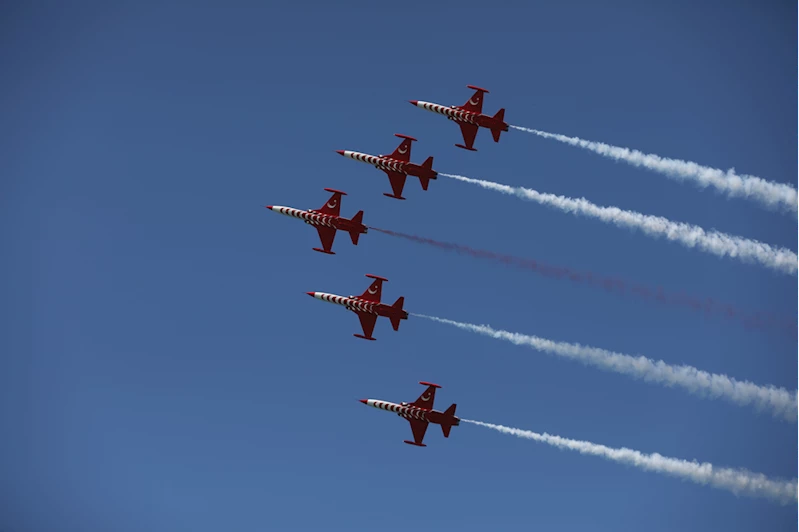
pixel 163 369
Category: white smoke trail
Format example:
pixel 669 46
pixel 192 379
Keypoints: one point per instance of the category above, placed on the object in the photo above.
pixel 779 401
pixel 691 236
pixel 769 193
pixel 738 481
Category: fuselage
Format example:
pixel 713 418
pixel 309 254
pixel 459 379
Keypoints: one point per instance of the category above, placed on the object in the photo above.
pixel 356 304
pixel 414 412
pixel 459 115
pixel 315 218
pixel 389 164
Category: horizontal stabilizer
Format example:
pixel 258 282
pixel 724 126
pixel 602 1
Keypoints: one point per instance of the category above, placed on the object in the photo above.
pixel 364 337
pixel 395 319
pixel 355 234
pixel 334 191
pixel 476 88
pixel 358 218
pixel 446 427
pixel 400 135
pixel 414 443
pixel 323 251
pixel 424 383
pixel 372 276
pixel 500 116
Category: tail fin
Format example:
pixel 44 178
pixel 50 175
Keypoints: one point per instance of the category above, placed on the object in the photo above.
pixel 395 320
pixel 426 165
pixel 358 219
pixel 501 117
pixel 445 428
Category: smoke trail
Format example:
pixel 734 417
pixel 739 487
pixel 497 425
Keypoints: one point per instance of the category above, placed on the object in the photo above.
pixel 691 236
pixel 709 306
pixel 779 401
pixel 738 481
pixel 769 193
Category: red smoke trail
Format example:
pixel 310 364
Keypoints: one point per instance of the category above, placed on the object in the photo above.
pixel 615 285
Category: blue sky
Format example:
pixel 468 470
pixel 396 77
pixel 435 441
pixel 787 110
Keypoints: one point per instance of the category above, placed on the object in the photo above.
pixel 163 368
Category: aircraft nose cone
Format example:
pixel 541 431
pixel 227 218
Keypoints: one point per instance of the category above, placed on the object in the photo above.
pixel 414 102
pixel 268 207
pixel 363 401
pixel 310 293
pixel 340 152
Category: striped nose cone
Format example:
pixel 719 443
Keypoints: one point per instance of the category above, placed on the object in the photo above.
pixel 364 401
pixel 414 102
pixel 312 294
pixel 349 154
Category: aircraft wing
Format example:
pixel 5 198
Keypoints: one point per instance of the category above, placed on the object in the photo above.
pixel 428 397
pixel 397 181
pixel 367 324
pixel 418 428
pixel 375 290
pixel 326 235
pixel 475 103
pixel 469 132
pixel 333 205
pixel 403 151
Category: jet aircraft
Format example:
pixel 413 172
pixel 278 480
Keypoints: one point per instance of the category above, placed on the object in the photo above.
pixel 420 413
pixel 327 220
pixel 397 166
pixel 368 306
pixel 469 117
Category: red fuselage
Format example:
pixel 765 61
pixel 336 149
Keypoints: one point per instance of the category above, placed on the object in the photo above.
pixel 391 165
pixel 356 304
pixel 414 412
pixel 459 115
pixel 325 220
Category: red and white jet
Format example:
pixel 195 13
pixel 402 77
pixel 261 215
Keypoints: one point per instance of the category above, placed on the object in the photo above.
pixel 327 220
pixel 420 413
pixel 397 166
pixel 470 117
pixel 368 306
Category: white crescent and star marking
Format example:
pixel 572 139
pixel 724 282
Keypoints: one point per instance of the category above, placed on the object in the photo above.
pixel 426 398
pixel 402 149
pixel 332 204
pixel 373 290
pixel 474 103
